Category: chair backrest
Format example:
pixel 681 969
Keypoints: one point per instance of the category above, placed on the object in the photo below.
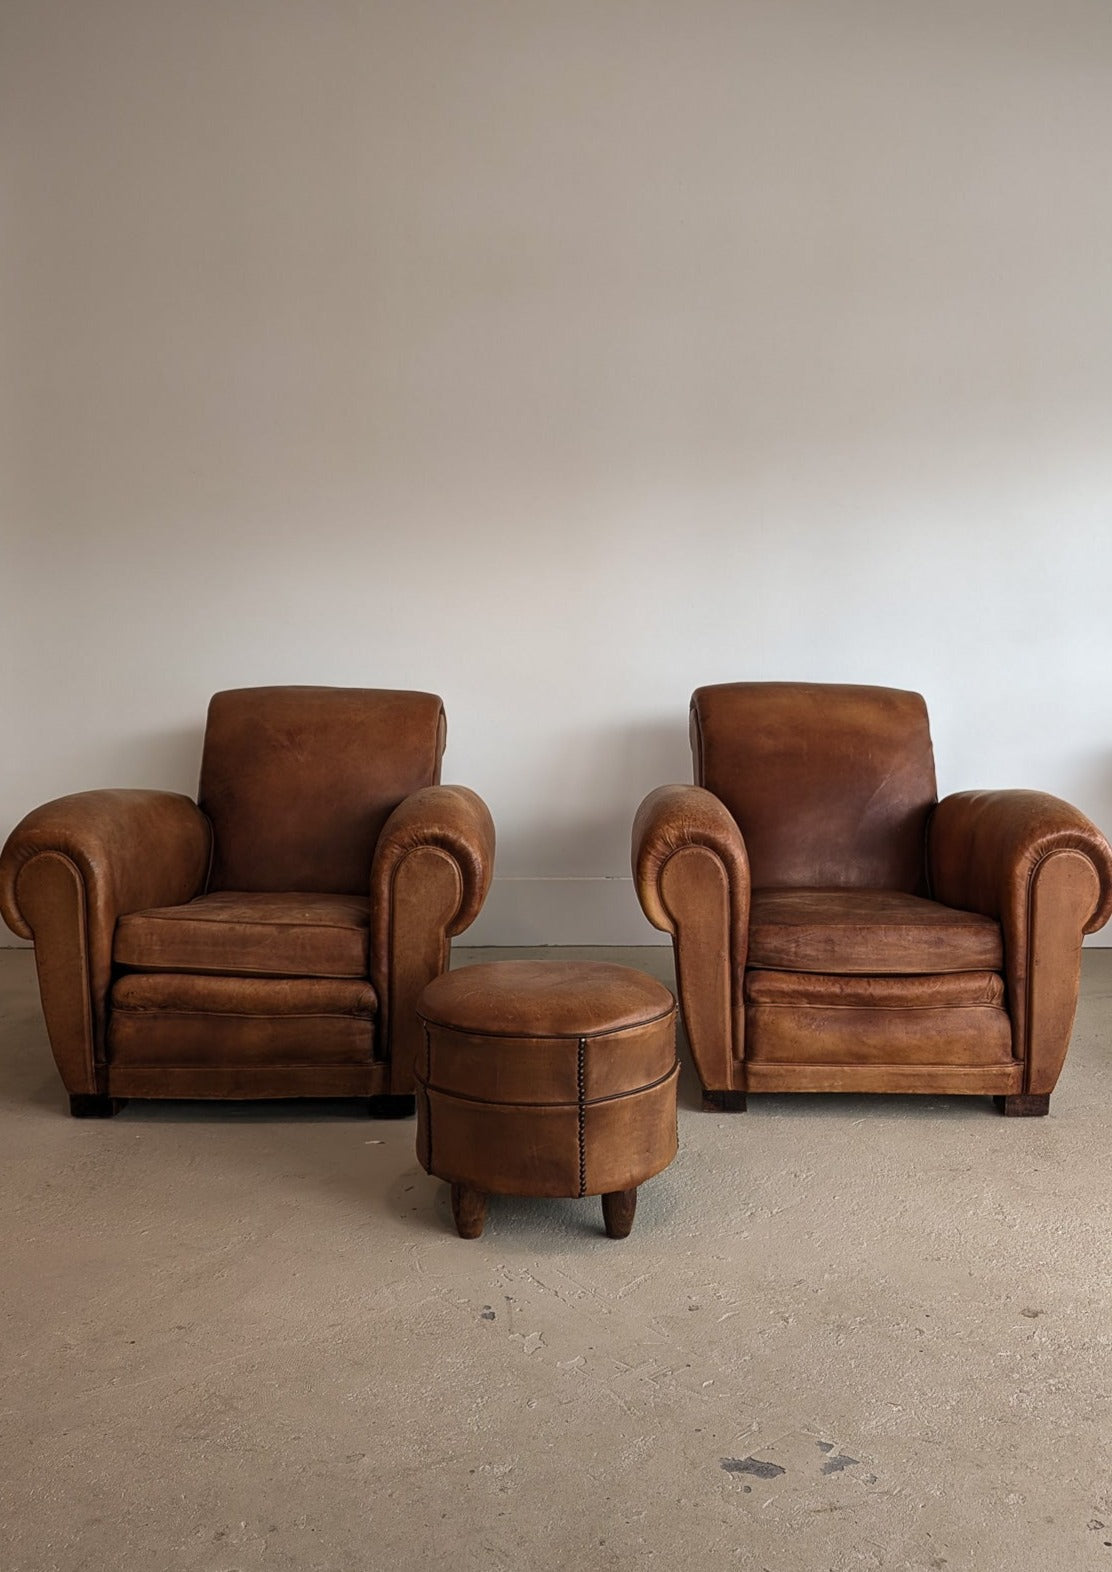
pixel 298 782
pixel 831 785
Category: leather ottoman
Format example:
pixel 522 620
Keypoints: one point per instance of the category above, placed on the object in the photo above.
pixel 546 1078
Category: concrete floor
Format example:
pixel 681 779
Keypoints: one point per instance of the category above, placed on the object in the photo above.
pixel 845 1333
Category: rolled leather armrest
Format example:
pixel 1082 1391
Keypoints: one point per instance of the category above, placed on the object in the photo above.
pixel 986 848
pixel 67 872
pixel 432 869
pixel 1044 871
pixel 692 876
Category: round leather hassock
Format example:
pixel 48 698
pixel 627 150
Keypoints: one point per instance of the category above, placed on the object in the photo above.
pixel 547 1078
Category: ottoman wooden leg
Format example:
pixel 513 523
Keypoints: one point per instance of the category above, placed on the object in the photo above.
pixel 617 1212
pixel 469 1210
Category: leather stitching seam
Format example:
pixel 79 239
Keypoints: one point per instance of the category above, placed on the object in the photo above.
pixel 253 922
pixel 553 1037
pixel 736 972
pixel 151 969
pixel 384 1049
pixel 86 981
pixel 920 1009
pixel 1029 901
pixel 587 1102
pixel 161 1013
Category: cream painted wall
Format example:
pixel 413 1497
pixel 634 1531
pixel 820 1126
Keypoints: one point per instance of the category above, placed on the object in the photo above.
pixel 557 357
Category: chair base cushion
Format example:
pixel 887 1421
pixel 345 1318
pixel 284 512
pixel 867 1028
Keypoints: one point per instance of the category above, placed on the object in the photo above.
pixel 232 933
pixel 173 1020
pixel 868 933
pixel 803 1018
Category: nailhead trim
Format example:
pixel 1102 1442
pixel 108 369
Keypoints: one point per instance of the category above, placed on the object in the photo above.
pixel 581 1090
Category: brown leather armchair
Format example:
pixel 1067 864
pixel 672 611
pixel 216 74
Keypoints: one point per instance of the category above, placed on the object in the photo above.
pixel 270 940
pixel 836 928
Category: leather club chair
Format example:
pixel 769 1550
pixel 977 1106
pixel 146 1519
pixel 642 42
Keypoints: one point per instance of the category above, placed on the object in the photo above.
pixel 270 940
pixel 838 929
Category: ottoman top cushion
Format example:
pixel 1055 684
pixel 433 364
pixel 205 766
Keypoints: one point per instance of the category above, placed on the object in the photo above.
pixel 544 999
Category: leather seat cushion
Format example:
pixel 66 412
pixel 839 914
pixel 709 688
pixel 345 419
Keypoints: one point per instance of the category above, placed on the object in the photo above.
pixel 232 933
pixel 171 1019
pixel 943 991
pixel 800 1018
pixel 545 999
pixel 868 933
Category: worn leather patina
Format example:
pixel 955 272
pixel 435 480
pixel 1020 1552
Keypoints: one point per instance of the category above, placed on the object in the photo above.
pixel 270 940
pixel 837 928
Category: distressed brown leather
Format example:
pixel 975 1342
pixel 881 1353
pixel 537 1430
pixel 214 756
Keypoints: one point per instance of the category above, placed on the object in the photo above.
pixel 565 998
pixel 431 871
pixel 526 1068
pixel 1036 865
pixel 241 933
pixel 890 943
pixel 68 871
pixel 955 1018
pixel 868 931
pixel 844 1036
pixel 298 782
pixel 500 1149
pixel 564 1086
pixel 187 994
pixel 217 1082
pixel 851 769
pixel 936 1080
pixel 691 873
pixel 202 1022
pixel 158 982
pixel 943 991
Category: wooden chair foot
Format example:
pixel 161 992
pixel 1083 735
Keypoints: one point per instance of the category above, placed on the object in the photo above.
pixel 91 1105
pixel 1024 1105
pixel 469 1210
pixel 724 1102
pixel 391 1106
pixel 617 1212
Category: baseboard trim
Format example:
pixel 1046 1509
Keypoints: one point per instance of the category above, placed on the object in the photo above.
pixel 562 911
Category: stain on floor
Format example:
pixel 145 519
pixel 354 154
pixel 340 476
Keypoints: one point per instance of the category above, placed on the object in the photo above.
pixel 759 1467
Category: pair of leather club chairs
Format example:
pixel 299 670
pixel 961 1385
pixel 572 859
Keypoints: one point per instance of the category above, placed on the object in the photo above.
pixel 836 928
